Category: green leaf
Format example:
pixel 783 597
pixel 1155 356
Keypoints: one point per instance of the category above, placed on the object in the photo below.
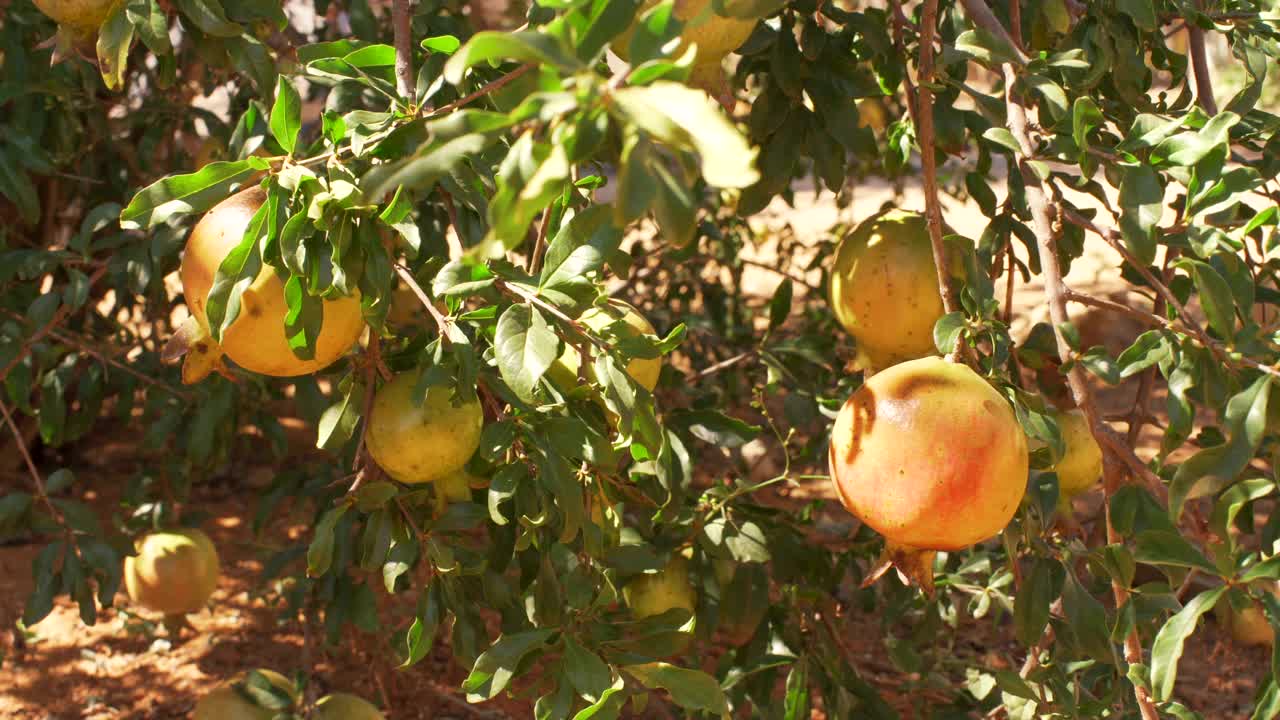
pixel 987 48
pixel 421 635
pixel 286 115
pixel 580 248
pixel 525 346
pixel 948 331
pixel 235 274
pixel 1213 468
pixel 1087 620
pixel 1143 13
pixel 1031 606
pixel 780 304
pixel 1169 642
pixel 1165 547
pixel 209 16
pixel 588 674
pixel 320 552
pixel 609 19
pixel 688 119
pixel 340 419
pixel 1003 138
pixel 1141 205
pixel 304 319
pixel 495 667
pixel 690 689
pixel 715 428
pixel 423 169
pixel 114 39
pixel 151 24
pixel 796 700
pixel 186 194
pixel 525 46
pixel 1085 117
pixel 447 44
pixel 1214 295
pixel 1187 149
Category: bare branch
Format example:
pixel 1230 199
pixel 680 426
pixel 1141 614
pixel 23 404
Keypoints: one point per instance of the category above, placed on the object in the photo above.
pixel 1200 66
pixel 402 22
pixel 928 157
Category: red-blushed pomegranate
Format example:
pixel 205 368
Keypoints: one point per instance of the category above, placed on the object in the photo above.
pixel 931 457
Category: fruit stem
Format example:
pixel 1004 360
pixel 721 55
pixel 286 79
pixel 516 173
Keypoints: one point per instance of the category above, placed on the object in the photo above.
pixel 914 566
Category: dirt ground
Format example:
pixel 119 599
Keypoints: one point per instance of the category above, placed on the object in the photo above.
pixel 65 671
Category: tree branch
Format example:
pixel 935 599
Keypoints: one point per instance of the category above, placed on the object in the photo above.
pixel 1055 294
pixel 929 160
pixel 1114 239
pixel 1200 66
pixel 402 22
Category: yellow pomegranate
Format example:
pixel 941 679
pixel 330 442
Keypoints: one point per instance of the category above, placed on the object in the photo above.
pixel 83 18
pixel 1080 467
pixel 422 443
pixel 656 593
pixel 341 706
pixel 227 703
pixel 453 488
pixel 873 114
pixel 1249 626
pixel 884 287
pixel 256 340
pixel 930 456
pixel 644 371
pixel 715 35
pixel 175 572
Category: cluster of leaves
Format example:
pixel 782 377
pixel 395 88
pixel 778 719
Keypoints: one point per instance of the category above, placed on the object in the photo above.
pixel 504 188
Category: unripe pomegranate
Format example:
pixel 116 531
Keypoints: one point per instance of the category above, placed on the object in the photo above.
pixel 256 340
pixel 644 371
pixel 227 703
pixel 1080 467
pixel 931 457
pixel 174 572
pixel 426 442
pixel 884 287
pixel 715 35
pixel 83 18
pixel 656 593
pixel 1249 626
pixel 341 706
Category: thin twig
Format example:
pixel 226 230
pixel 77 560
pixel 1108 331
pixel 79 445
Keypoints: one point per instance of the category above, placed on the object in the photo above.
pixel 540 245
pixel 41 492
pixel 784 273
pixel 495 85
pixel 1114 239
pixel 929 162
pixel 363 461
pixel 107 359
pixel 402 25
pixel 58 316
pixel 442 322
pixel 722 365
